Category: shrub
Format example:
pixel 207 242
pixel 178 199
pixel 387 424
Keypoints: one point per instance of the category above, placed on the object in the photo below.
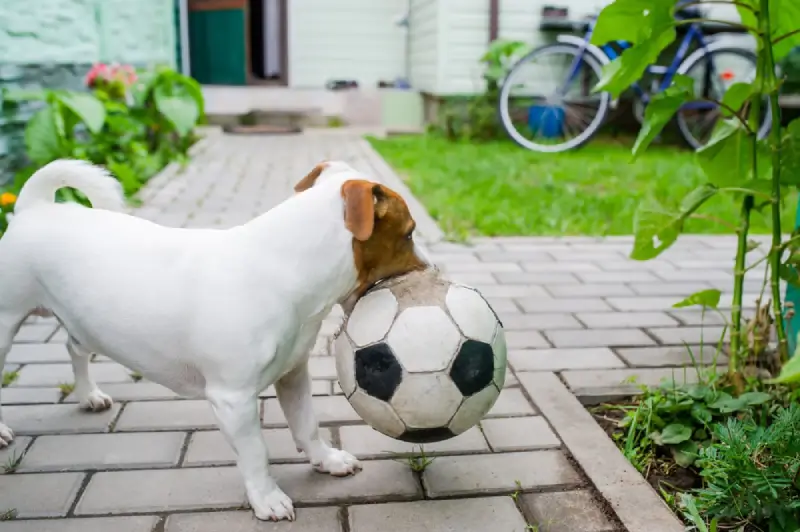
pixel 133 123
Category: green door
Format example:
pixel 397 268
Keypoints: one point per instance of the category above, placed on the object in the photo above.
pixel 217 41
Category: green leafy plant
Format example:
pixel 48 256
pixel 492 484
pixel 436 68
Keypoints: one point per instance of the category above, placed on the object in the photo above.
pixel 735 161
pixel 131 123
pixel 66 388
pixel 9 377
pixel 752 472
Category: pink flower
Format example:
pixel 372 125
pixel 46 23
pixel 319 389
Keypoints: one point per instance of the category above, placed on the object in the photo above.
pixel 99 70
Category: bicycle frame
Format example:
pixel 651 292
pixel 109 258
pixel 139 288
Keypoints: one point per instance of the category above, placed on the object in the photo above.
pixel 694 34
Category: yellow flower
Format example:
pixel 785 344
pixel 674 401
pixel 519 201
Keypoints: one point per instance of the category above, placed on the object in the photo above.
pixel 7 199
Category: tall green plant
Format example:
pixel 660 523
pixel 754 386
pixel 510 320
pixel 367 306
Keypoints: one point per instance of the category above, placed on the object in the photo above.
pixel 734 160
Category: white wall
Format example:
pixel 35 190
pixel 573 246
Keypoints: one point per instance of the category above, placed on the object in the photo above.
pixel 424 49
pixel 464 35
pixel 346 39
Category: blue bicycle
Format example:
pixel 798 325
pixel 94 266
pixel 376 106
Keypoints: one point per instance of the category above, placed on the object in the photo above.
pixel 547 104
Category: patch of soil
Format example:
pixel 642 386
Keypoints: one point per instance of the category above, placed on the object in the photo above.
pixel 663 474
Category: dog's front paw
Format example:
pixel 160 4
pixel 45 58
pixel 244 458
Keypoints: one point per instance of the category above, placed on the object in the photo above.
pixel 6 435
pixel 96 401
pixel 274 507
pixel 338 463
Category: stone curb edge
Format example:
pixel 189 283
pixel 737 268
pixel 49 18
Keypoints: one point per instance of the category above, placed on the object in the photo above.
pixel 634 501
pixel 427 227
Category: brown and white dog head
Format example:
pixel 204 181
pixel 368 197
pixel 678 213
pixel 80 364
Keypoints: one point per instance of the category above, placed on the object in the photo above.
pixel 380 221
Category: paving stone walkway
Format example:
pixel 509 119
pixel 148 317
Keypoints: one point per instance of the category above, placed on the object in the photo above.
pixel 580 317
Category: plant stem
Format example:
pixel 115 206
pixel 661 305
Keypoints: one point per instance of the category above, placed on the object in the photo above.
pixel 738 286
pixel 768 80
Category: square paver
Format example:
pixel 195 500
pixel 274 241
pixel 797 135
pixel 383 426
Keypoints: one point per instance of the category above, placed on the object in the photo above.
pixel 525 339
pixel 158 490
pixel 133 391
pixel 167 415
pixel 599 338
pixel 542 278
pixel 679 290
pixel 499 290
pixel 471 515
pixel 45 495
pixel 561 359
pixel 12 454
pixel 671 356
pixel 306 520
pixel 222 487
pixel 534 305
pixel 596 386
pixel 55 374
pixel 366 442
pixel 512 403
pixel 38 353
pixel 318 387
pixel 31 396
pixel 709 334
pixel 539 322
pixel 211 448
pixel 614 320
pixel 519 434
pixel 379 481
pixel 130 523
pixel 54 419
pixel 329 410
pixel 103 451
pixel 34 333
pixel 589 290
pixel 641 303
pixel 488 474
pixel 570 511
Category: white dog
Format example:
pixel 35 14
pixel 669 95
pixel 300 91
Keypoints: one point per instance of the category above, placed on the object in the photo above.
pixel 216 314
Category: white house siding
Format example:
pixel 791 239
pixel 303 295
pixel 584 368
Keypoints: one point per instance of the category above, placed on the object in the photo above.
pixel 424 44
pixel 346 39
pixel 464 27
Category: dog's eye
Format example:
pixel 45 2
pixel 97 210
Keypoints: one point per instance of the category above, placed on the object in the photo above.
pixel 410 235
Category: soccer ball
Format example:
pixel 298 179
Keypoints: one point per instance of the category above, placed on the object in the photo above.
pixel 420 358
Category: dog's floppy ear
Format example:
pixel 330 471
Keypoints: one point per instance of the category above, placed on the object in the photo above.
pixel 309 180
pixel 362 201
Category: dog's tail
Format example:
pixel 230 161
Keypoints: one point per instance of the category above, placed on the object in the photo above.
pixel 102 190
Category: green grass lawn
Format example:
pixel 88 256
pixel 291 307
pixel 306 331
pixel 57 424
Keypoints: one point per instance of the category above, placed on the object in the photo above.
pixel 500 189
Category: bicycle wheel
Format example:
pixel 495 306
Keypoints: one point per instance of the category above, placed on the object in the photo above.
pixel 713 72
pixel 546 102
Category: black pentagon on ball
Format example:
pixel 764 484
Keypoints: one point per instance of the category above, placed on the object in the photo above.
pixel 426 435
pixel 473 368
pixel 378 372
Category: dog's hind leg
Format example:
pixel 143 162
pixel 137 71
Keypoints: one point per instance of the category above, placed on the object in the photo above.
pixel 86 391
pixel 294 395
pixel 9 325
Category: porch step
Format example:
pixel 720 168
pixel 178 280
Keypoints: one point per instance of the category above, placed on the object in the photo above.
pixel 293 119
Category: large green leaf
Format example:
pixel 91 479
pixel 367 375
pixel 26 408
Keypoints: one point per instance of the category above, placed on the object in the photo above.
pixel 661 109
pixel 629 67
pixel 41 137
pixel 675 433
pixel 791 370
pixel 621 20
pixel 735 97
pixel 656 228
pixel 727 158
pixel 790 154
pixel 705 298
pixel 178 107
pixel 87 107
pixel 784 17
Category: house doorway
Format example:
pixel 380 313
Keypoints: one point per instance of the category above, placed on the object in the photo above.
pixel 267 42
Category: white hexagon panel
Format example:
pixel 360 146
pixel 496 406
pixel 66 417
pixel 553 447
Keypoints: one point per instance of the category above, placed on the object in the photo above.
pixel 424 339
pixel 372 317
pixel 378 414
pixel 472 313
pixel 426 400
pixel 473 409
